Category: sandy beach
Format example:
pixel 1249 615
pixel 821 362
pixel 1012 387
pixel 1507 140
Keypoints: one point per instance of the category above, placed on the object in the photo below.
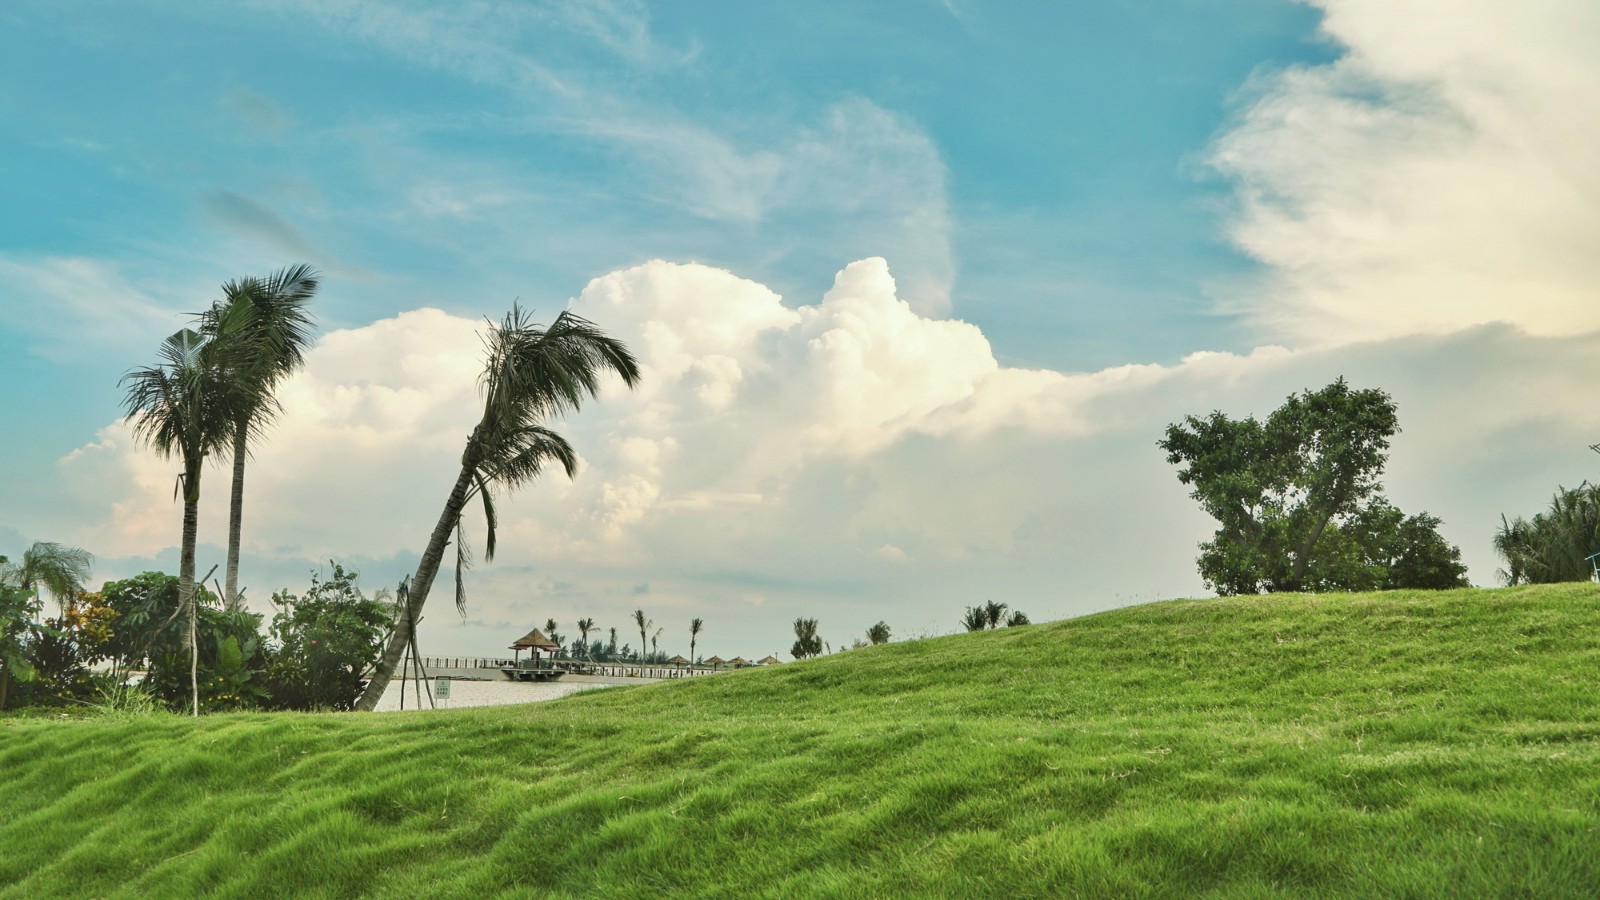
pixel 481 693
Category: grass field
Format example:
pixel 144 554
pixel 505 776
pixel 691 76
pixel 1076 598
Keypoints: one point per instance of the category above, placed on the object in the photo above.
pixel 1399 744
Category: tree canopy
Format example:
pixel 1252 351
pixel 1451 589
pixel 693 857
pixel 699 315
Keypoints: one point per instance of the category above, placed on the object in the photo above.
pixel 1298 499
pixel 1554 545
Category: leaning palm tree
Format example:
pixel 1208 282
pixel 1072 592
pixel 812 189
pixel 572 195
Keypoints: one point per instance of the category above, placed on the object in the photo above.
pixel 532 374
pixel 54 567
pixel 584 627
pixel 264 324
pixel 695 627
pixel 182 407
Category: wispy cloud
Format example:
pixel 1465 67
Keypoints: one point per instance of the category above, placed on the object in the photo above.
pixel 256 220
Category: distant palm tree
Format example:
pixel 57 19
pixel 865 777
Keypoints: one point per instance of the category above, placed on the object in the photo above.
pixel 611 646
pixel 532 374
pixel 1017 617
pixel 644 625
pixel 993 613
pixel 654 653
pixel 879 633
pixel 264 324
pixel 584 627
pixel 56 568
pixel 182 407
pixel 552 634
pixel 695 627
pixel 975 619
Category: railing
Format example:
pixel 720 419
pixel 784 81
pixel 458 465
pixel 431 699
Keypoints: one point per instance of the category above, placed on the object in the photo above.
pixel 574 666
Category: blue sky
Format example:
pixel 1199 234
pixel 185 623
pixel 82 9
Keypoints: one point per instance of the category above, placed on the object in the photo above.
pixel 1091 187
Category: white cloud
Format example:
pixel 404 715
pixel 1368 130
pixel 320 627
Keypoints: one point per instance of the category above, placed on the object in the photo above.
pixel 855 435
pixel 1440 174
pixel 72 306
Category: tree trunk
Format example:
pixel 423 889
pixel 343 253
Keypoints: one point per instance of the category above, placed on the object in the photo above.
pixel 1302 554
pixel 230 597
pixel 421 582
pixel 186 585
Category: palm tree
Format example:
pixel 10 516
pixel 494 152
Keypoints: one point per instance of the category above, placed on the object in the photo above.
pixel 695 627
pixel 56 568
pixel 584 627
pixel 183 407
pixel 879 633
pixel 531 374
pixel 993 613
pixel 653 639
pixel 975 619
pixel 644 624
pixel 264 323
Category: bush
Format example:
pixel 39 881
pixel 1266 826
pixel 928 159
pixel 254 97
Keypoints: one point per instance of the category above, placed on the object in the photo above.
pixel 325 642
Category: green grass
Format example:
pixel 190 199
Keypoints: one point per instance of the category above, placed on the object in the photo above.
pixel 1399 744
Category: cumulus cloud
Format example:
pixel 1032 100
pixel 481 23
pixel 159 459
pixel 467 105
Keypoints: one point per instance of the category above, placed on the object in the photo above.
pixel 1439 174
pixel 796 458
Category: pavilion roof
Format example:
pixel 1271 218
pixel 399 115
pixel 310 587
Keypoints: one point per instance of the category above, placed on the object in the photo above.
pixel 535 640
pixel 678 660
pixel 771 661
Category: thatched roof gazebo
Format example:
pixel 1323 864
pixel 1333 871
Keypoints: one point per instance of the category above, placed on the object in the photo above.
pixel 534 641
pixel 679 660
pixel 716 661
pixel 770 661
pixel 738 662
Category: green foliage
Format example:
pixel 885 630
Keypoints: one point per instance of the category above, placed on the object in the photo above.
pixel 976 618
pixel 146 619
pixel 806 642
pixel 326 640
pixel 1423 744
pixel 1297 498
pixel 232 664
pixel 1017 617
pixel 1554 545
pixel 17 629
pixel 879 633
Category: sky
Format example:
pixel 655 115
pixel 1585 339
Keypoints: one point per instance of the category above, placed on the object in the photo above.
pixel 916 286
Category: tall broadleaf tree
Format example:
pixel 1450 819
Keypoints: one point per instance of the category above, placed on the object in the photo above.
pixel 182 407
pixel 531 375
pixel 264 328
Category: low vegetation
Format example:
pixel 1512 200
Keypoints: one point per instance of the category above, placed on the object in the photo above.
pixel 1404 743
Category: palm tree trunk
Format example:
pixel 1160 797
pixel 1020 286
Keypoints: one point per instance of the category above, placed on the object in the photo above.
pixel 241 441
pixel 186 585
pixel 427 568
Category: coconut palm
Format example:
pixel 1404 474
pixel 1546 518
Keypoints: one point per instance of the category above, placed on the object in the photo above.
pixel 183 407
pixel 644 625
pixel 531 374
pixel 975 619
pixel 264 324
pixel 654 638
pixel 993 613
pixel 1554 545
pixel 695 626
pixel 879 633
pixel 50 566
pixel 584 627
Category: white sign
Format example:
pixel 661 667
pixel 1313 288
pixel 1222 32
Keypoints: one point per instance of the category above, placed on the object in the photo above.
pixel 441 688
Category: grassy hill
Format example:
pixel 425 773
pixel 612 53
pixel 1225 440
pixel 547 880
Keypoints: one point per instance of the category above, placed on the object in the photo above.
pixel 1373 744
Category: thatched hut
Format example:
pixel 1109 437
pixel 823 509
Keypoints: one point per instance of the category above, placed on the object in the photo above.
pixel 534 642
pixel 769 661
